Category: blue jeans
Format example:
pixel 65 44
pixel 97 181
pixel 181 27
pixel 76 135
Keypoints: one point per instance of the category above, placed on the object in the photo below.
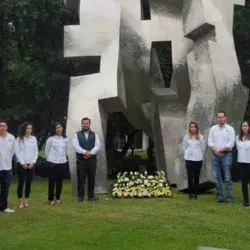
pixel 223 162
pixel 5 180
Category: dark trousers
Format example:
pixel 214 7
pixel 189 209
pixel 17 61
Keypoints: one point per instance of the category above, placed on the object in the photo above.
pixel 193 173
pixel 245 180
pixel 5 180
pixel 24 176
pixel 86 168
pixel 55 180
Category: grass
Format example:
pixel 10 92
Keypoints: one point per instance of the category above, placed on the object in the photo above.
pixel 175 223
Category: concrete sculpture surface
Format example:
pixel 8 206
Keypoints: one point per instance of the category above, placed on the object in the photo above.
pixel 205 73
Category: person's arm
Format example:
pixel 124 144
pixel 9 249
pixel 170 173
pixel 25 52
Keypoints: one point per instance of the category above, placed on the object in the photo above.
pixel 231 142
pixel 184 144
pixel 97 146
pixel 35 156
pixel 77 146
pixel 47 147
pixel 13 147
pixel 17 146
pixel 211 141
pixel 237 140
pixel 66 148
pixel 203 145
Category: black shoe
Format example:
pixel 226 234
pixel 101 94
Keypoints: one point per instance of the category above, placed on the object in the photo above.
pixel 80 200
pixel 93 199
pixel 220 199
pixel 228 200
pixel 195 196
pixel 190 196
pixel 245 204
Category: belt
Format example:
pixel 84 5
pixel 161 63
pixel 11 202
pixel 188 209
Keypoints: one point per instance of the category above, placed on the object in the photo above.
pixel 227 152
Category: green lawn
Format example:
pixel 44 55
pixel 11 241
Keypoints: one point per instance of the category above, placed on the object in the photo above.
pixel 175 223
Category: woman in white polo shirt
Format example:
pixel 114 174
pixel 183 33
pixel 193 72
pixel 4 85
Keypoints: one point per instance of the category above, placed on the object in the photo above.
pixel 27 153
pixel 243 147
pixel 56 156
pixel 193 147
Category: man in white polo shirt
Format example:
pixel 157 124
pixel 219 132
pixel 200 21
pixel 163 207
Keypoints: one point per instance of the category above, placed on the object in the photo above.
pixel 221 140
pixel 7 150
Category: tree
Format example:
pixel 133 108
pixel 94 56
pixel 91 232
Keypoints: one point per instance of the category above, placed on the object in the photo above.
pixel 242 44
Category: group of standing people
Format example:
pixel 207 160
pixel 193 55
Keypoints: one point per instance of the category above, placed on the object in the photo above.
pixel 221 141
pixel 25 147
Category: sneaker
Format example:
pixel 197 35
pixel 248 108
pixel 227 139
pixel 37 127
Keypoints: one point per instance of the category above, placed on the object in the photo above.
pixel 228 200
pixel 58 202
pixel 80 200
pixel 245 204
pixel 190 196
pixel 51 203
pixel 8 210
pixel 220 199
pixel 195 196
pixel 93 199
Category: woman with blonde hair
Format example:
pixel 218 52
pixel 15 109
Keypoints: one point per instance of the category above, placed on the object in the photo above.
pixel 194 148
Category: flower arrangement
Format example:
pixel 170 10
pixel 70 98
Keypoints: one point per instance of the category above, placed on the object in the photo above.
pixel 135 184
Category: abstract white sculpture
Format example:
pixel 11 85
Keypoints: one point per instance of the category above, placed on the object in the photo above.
pixel 205 76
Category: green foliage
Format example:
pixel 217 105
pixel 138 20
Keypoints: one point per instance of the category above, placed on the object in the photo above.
pixel 35 59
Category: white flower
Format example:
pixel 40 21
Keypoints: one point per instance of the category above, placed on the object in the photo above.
pixel 136 173
pixel 131 173
pixel 150 177
pixel 119 194
pixel 125 194
pixel 126 179
pixel 140 194
pixel 145 182
pixel 131 183
pixel 145 173
pixel 116 185
pixel 139 181
pixel 131 195
pixel 162 173
pixel 142 186
pixel 149 195
pixel 160 185
pixel 161 181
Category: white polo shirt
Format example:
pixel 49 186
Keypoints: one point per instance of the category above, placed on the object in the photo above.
pixel 56 149
pixel 243 148
pixel 220 137
pixel 7 151
pixel 26 150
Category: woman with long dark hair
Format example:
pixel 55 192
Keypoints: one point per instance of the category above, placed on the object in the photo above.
pixel 193 147
pixel 56 156
pixel 243 147
pixel 27 153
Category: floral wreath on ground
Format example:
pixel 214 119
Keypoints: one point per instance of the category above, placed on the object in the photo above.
pixel 135 184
